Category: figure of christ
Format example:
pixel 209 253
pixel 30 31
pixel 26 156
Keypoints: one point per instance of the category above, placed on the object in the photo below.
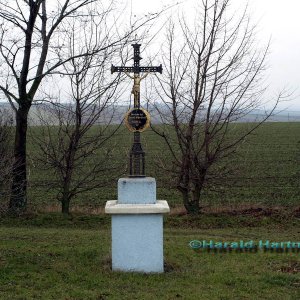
pixel 136 85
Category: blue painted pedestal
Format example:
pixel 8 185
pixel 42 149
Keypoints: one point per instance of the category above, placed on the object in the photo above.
pixel 137 226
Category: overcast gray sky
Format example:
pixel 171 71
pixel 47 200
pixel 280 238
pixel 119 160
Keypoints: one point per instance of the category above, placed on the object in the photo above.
pixel 278 20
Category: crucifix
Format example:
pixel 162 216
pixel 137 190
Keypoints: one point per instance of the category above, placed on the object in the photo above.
pixel 137 119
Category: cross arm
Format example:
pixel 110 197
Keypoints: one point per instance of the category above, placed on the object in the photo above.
pixel 151 69
pixel 114 69
pixel 136 69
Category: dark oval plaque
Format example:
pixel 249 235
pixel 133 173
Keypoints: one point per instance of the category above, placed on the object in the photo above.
pixel 137 119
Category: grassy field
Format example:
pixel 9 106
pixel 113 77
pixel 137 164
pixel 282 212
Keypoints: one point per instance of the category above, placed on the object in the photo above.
pixel 51 257
pixel 265 171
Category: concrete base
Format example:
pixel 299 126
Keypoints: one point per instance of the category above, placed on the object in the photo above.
pixel 137 243
pixel 114 208
pixel 137 226
pixel 137 190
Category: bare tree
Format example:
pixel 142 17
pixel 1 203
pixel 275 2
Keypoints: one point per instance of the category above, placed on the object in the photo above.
pixel 6 126
pixel 75 132
pixel 32 48
pixel 213 76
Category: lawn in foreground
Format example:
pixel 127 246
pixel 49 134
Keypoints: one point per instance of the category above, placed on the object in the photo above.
pixel 70 263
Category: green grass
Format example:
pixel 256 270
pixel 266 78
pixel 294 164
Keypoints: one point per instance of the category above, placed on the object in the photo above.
pixel 244 218
pixel 265 171
pixel 74 263
pixel 48 256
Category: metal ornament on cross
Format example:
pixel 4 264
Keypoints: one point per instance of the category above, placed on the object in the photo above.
pixel 137 119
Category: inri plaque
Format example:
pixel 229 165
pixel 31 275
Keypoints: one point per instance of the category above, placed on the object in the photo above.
pixel 137 119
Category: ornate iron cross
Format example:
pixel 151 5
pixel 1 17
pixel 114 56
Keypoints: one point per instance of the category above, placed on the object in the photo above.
pixel 137 117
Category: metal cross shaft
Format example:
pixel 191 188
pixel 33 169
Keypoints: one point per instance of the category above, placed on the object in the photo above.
pixel 137 155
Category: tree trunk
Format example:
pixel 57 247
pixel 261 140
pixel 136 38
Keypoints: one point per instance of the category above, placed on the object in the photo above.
pixel 18 197
pixel 65 198
pixel 191 205
pixel 65 205
pixel 192 208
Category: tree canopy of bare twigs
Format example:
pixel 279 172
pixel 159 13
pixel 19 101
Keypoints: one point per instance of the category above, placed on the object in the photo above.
pixel 33 47
pixel 76 130
pixel 5 154
pixel 213 76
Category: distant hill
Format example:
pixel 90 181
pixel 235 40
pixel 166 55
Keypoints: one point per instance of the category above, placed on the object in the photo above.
pixel 119 111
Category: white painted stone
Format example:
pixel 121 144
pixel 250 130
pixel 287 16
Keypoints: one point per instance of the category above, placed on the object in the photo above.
pixel 137 226
pixel 137 190
pixel 160 207
pixel 137 243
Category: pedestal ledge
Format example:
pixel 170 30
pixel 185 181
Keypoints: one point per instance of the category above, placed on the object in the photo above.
pixel 160 207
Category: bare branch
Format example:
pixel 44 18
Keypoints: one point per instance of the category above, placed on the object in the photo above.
pixel 213 77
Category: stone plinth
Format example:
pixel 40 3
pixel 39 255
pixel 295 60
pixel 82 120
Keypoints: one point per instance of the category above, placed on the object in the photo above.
pixel 137 226
pixel 137 190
